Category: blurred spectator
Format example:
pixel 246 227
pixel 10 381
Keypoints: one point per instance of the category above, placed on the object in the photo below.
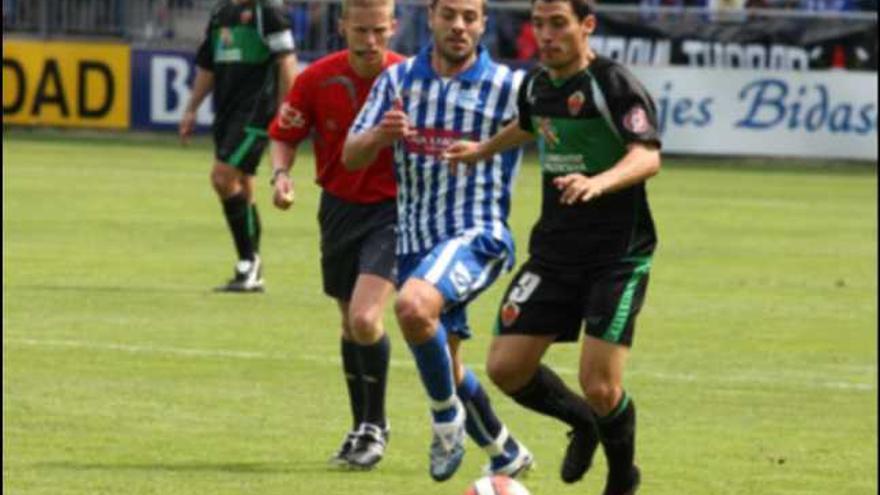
pixel 507 29
pixel 828 5
pixel 526 43
pixel 412 29
pixel 650 12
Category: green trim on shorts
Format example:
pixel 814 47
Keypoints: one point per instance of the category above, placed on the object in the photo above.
pixel 618 323
pixel 251 136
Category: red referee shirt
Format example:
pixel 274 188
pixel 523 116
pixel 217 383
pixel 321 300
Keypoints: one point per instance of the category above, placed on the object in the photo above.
pixel 326 97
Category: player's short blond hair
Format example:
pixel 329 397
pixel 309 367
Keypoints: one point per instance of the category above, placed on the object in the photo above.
pixel 347 4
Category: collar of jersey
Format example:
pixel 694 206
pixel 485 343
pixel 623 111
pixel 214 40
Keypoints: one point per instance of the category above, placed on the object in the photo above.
pixel 422 66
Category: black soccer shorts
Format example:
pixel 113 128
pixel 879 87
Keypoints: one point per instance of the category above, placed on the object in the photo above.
pixel 356 239
pixel 551 299
pixel 238 143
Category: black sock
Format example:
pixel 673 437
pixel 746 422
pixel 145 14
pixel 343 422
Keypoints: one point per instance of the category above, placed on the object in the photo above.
pixel 547 394
pixel 256 228
pixel 374 363
pixel 237 211
pixel 617 431
pixel 351 366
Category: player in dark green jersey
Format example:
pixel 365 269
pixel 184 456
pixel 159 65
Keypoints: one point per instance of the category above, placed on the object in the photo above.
pixel 591 249
pixel 247 59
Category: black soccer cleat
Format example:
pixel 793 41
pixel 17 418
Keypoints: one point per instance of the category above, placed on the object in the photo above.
pixel 628 485
pixel 369 447
pixel 340 458
pixel 582 443
pixel 248 277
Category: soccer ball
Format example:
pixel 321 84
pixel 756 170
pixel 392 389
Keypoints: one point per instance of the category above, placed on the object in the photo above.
pixel 497 485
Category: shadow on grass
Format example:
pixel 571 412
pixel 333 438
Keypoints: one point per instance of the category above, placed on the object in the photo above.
pixel 197 467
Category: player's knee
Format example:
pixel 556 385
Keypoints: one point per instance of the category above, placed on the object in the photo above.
pixel 413 316
pixel 600 394
pixel 224 183
pixel 366 325
pixel 503 373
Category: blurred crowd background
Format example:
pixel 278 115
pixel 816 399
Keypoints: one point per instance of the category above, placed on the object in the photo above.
pixel 180 24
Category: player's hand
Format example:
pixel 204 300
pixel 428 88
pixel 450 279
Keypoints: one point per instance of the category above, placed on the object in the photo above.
pixel 462 152
pixel 395 124
pixel 187 126
pixel 284 195
pixel 577 188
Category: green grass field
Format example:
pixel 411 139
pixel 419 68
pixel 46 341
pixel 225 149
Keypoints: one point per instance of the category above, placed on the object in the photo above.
pixel 754 369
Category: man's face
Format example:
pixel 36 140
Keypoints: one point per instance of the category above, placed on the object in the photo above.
pixel 457 26
pixel 367 31
pixel 562 38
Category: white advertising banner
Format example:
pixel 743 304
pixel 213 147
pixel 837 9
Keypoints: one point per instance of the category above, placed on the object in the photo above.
pixel 828 114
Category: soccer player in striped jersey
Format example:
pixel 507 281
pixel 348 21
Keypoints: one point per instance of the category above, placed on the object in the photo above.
pixel 591 250
pixel 453 240
pixel 357 215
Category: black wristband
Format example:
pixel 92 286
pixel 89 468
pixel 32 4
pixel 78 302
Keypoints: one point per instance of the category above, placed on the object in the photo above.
pixel 275 173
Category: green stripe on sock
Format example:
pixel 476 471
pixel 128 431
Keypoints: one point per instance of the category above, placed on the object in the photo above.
pixel 621 406
pixel 251 226
pixel 618 323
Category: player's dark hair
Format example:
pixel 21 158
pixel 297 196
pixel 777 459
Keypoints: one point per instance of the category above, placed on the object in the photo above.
pixel 581 8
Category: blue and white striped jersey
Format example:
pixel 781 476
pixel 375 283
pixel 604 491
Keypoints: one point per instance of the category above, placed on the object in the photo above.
pixel 434 205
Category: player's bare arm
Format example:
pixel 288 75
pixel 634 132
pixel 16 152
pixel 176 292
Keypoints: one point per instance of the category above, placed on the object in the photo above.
pixel 286 74
pixel 641 162
pixel 203 85
pixel 469 152
pixel 282 155
pixel 361 150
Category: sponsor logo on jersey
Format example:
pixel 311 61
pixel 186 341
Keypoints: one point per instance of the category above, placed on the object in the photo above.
pixel 576 102
pixel 636 120
pixel 290 117
pixel 545 127
pixel 432 142
pixel 564 163
pixel 226 50
pixel 226 37
pixel 509 313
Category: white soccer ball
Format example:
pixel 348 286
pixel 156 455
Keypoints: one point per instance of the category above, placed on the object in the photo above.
pixel 497 485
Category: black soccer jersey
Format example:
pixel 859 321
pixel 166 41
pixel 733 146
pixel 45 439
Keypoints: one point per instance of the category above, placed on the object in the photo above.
pixel 240 46
pixel 583 125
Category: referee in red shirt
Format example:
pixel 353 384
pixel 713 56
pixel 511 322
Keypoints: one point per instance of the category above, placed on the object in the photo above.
pixel 358 211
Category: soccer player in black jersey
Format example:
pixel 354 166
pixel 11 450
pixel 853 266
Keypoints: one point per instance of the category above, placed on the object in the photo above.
pixel 247 59
pixel 591 250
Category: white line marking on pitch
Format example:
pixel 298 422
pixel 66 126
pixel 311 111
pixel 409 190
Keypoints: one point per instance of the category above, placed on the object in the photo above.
pixel 741 378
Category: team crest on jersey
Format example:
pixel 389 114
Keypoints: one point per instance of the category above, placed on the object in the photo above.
pixel 636 120
pixel 576 102
pixel 509 313
pixel 247 15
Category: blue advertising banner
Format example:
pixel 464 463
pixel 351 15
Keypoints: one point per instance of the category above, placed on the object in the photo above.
pixel 160 88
